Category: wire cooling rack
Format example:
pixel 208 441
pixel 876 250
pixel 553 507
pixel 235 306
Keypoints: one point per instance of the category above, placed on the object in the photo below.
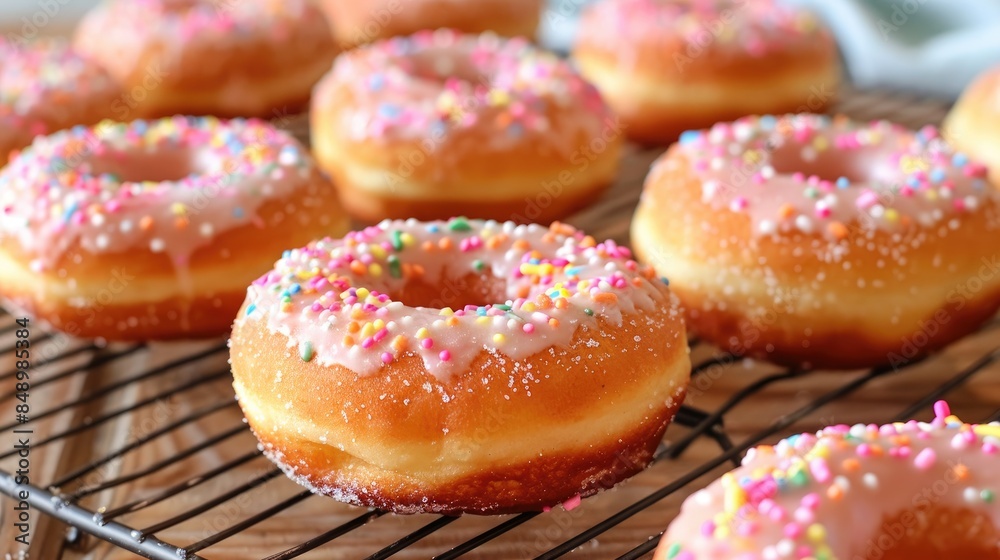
pixel 163 397
pixel 142 449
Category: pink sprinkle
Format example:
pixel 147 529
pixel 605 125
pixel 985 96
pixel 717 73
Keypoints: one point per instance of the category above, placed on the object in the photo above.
pixel 989 448
pixel 427 343
pixel 386 358
pixel 738 203
pixel 867 199
pixel 793 530
pixel 810 500
pixel 367 343
pixel 941 409
pixel 572 503
pixel 820 470
pixel 445 355
pixel 708 528
pixel 863 450
pixel 528 328
pixel 925 459
pixel 747 528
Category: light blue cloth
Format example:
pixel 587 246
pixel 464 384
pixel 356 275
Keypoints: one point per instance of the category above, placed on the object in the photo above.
pixel 934 47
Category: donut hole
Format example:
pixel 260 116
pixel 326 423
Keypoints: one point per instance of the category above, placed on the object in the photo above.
pixel 455 292
pixel 135 166
pixel 441 65
pixel 933 533
pixel 827 165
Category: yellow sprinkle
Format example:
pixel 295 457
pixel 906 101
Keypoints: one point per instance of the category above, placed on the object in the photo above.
pixel 482 320
pixel 362 293
pixel 178 209
pixel 379 324
pixel 377 251
pixel 816 533
pixel 498 97
pixel 891 215
pixel 407 239
pixel 423 333
pixel 986 430
pixel 820 143
pixel 499 338
pixel 735 497
pixel 446 311
pixel 375 269
pixel 529 307
pixel 367 330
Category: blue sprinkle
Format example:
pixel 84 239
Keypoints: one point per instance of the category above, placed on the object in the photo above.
pixel 481 311
pixel 767 122
pixel 573 271
pixel 68 214
pixel 251 308
pixel 959 160
pixel 433 228
pixel 238 212
pixel 913 182
pixel 689 136
pixel 515 130
pixel 389 111
pixel 665 280
pixel 294 289
pixel 376 82
pixel 286 253
pixel 936 175
pixel 843 183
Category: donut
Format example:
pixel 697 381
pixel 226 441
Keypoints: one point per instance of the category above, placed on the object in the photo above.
pixel 246 58
pixel 667 66
pixel 818 242
pixel 971 124
pixel 910 491
pixel 356 22
pixel 442 124
pixel 381 369
pixel 153 229
pixel 46 86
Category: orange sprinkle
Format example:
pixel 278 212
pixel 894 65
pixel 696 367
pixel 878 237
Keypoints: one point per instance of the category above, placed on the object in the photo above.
pixel 554 323
pixel 786 211
pixel 399 343
pixel 521 244
pixel 348 340
pixel 523 291
pixel 588 241
pixel 451 321
pixel 349 242
pixel 562 303
pixel 427 246
pixel 548 237
pixel 835 492
pixel 544 301
pixel 353 327
pixel 837 229
pixel 357 313
pixel 851 465
pixel 418 270
pixel 357 267
pixel 605 297
pixel 445 244
pixel 561 228
pixel 961 471
pixel 146 223
pixel 181 223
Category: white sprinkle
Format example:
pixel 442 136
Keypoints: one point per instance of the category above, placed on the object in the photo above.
pixel 206 230
pixel 971 495
pixel 870 480
pixel 767 226
pixel 101 241
pixel 803 223
pixel 157 245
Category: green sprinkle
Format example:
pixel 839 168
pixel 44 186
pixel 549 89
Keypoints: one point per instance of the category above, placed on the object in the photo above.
pixel 306 351
pixel 478 265
pixel 811 192
pixel 674 550
pixel 397 240
pixel 459 224
pixel 588 311
pixel 987 496
pixel 502 307
pixel 395 269
pixel 799 478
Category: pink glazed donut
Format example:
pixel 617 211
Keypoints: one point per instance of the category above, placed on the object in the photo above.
pixel 903 491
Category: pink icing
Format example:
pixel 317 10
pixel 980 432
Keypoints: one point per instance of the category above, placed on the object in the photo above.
pixel 810 173
pixel 167 186
pixel 432 84
pixel 333 300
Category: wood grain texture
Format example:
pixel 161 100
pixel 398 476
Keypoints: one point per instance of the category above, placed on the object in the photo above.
pixel 877 401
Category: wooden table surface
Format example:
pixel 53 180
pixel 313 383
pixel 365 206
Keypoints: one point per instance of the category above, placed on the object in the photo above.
pixel 876 401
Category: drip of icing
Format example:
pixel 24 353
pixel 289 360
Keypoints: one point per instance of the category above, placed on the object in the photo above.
pixel 793 497
pixel 76 186
pixel 335 297
pixel 434 84
pixel 768 168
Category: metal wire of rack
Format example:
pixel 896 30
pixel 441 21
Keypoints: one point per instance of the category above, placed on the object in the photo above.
pixel 64 495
